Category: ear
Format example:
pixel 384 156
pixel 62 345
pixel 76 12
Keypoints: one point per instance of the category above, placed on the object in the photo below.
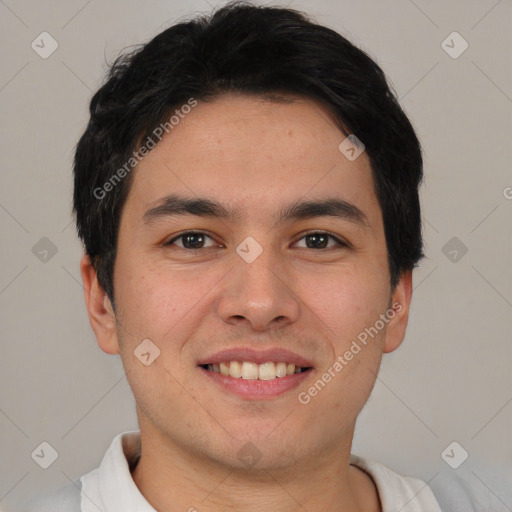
pixel 101 313
pixel 400 304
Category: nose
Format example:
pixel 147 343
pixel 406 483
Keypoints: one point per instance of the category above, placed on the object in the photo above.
pixel 258 295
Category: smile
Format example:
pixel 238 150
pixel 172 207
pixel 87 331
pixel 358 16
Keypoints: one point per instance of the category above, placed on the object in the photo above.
pixel 256 374
pixel 252 371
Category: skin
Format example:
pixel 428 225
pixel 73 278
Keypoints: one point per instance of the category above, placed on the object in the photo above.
pixel 257 155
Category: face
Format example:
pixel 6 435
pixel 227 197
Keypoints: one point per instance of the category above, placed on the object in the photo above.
pixel 265 278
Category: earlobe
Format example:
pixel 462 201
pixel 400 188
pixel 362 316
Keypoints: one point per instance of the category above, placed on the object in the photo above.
pixel 99 308
pixel 399 317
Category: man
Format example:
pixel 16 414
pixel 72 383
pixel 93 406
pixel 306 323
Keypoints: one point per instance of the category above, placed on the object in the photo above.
pixel 247 194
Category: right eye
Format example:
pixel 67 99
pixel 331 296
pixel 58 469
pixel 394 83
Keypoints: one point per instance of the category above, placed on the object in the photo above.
pixel 190 240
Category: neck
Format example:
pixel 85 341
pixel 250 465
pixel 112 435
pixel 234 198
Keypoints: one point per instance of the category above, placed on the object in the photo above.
pixel 171 478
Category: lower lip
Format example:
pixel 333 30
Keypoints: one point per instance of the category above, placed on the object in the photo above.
pixel 255 389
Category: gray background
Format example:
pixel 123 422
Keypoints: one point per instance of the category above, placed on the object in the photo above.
pixel 449 381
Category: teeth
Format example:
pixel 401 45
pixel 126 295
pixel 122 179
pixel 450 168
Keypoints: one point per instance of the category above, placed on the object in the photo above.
pixel 281 370
pixel 224 368
pixel 249 370
pixel 253 371
pixel 235 369
pixel 267 371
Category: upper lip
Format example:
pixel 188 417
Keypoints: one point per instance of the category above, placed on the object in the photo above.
pixel 256 356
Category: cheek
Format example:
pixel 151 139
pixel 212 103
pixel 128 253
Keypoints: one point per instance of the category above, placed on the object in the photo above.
pixel 346 306
pixel 164 304
pixel 344 302
pixel 148 306
pixel 153 311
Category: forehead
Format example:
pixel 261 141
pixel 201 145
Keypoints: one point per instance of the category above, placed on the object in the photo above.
pixel 251 155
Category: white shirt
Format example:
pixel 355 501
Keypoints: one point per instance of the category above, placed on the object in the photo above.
pixel 110 487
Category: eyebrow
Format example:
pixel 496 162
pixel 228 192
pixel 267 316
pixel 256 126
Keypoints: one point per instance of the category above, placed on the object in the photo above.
pixel 175 205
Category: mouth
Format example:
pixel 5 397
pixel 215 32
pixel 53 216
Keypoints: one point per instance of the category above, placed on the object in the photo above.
pixel 256 375
pixel 249 370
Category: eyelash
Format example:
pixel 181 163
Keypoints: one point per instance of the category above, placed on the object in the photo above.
pixel 340 242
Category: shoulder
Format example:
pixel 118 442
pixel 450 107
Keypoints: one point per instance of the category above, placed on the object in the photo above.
pixel 65 499
pixel 453 493
pixel 464 491
pixel 409 494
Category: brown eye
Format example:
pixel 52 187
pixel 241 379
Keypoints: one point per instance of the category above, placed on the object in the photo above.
pixel 320 240
pixel 191 240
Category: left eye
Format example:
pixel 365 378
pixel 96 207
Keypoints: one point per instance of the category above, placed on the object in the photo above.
pixel 320 238
pixel 191 240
